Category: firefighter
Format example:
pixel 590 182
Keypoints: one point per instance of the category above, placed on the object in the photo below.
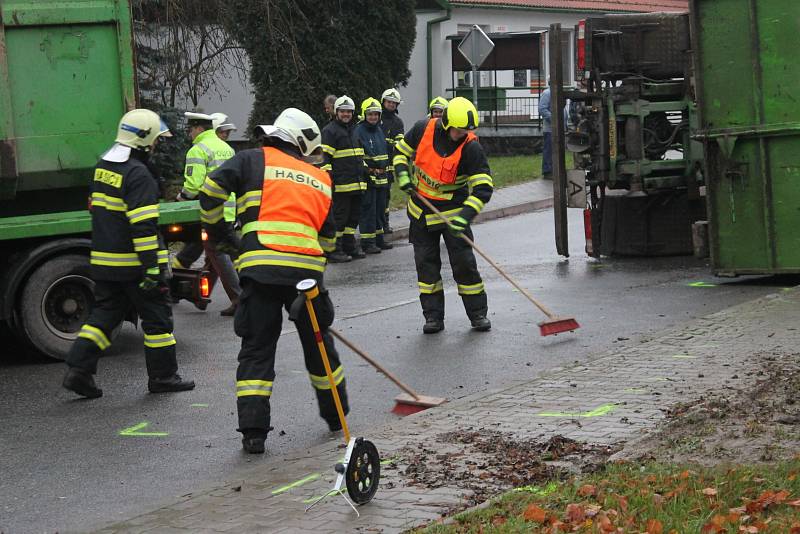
pixel 436 107
pixel 288 224
pixel 376 157
pixel 393 128
pixel 450 170
pixel 343 158
pixel 221 125
pixel 207 153
pixel 128 261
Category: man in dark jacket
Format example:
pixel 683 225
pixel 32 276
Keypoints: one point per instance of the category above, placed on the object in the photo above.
pixel 128 261
pixel 284 204
pixel 393 128
pixel 343 159
pixel 376 157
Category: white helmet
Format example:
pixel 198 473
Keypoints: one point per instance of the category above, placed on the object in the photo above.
pixel 296 127
pixel 344 102
pixel 392 95
pixel 218 119
pixel 139 129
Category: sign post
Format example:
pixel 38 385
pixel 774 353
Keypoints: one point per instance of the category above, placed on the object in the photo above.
pixel 475 47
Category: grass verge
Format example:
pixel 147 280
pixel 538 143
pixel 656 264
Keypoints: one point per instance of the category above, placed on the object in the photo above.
pixel 652 499
pixel 506 170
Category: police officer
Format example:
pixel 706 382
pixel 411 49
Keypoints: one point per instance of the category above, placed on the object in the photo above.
pixel 393 128
pixel 288 224
pixel 436 107
pixel 207 153
pixel 450 170
pixel 343 158
pixel 128 261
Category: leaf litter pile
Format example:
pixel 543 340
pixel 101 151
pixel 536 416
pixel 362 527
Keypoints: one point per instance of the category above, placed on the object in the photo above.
pixel 483 464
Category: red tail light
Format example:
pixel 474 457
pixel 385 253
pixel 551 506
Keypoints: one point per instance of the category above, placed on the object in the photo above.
pixel 587 231
pixel 582 46
pixel 203 234
pixel 205 287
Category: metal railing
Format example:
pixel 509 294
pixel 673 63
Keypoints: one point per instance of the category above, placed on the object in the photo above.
pixel 497 110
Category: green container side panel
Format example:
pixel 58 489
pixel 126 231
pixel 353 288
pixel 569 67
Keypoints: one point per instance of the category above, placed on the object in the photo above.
pixel 80 222
pixel 751 80
pixel 65 94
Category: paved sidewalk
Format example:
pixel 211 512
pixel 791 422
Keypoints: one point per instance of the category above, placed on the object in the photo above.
pixel 505 202
pixel 615 396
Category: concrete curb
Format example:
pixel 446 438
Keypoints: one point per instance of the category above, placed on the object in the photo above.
pixel 489 215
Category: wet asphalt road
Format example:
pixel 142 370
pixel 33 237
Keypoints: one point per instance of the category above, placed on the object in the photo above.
pixel 64 465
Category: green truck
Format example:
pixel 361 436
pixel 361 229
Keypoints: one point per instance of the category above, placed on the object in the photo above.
pixel 66 77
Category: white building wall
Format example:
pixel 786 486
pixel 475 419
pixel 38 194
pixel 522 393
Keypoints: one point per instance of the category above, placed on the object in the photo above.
pixel 415 102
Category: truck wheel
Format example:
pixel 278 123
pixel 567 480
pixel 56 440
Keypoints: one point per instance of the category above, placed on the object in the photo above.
pixel 55 304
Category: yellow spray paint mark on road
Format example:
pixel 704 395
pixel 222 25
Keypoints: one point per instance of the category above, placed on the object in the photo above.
pixel 658 379
pixel 701 284
pixel 684 356
pixel 296 484
pixel 135 431
pixel 597 412
pixel 635 390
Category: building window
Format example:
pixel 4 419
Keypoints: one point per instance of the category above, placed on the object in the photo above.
pixel 520 78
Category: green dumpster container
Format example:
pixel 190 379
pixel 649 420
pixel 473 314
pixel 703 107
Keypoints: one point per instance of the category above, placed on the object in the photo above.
pixel 749 98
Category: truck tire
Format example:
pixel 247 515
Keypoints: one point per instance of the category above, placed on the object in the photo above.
pixel 55 303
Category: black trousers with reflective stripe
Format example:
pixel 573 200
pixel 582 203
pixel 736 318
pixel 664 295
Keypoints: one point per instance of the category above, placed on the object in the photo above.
pixel 346 213
pixel 112 302
pixel 258 322
pixel 427 257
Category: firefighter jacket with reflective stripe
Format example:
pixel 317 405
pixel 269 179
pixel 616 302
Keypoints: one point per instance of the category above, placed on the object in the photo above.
pixel 376 153
pixel 455 176
pixel 343 157
pixel 393 128
pixel 208 152
pixel 281 202
pixel 125 236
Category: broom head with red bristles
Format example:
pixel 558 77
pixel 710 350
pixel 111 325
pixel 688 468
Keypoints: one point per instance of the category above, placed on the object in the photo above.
pixel 405 404
pixel 558 325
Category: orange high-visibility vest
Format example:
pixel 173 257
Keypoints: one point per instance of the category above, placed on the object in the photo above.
pixel 295 200
pixel 432 170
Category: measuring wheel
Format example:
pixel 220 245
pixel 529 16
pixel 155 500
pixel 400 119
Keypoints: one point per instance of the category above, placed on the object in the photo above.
pixel 363 472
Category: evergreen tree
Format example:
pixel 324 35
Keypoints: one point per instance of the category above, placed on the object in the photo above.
pixel 302 50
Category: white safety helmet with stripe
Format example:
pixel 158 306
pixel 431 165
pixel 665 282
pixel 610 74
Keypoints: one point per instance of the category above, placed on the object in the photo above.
pixel 220 122
pixel 296 127
pixel 344 102
pixel 139 129
pixel 392 95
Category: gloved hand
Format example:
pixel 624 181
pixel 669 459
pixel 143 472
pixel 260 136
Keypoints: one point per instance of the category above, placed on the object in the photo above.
pixel 151 279
pixel 457 225
pixel 404 182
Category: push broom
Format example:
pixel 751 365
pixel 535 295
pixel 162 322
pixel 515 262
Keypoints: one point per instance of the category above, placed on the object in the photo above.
pixel 553 324
pixel 405 403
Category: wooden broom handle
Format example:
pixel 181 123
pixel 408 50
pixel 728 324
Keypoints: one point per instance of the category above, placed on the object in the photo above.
pixel 373 363
pixel 486 257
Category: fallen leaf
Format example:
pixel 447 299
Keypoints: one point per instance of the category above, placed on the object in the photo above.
pixel 498 521
pixel 592 510
pixel 750 529
pixel 658 499
pixel 623 503
pixel 709 491
pixel 795 529
pixel 575 513
pixel 654 526
pixel 535 513
pixel 586 490
pixel 794 503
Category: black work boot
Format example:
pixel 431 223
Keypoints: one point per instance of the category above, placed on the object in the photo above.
pixel 82 383
pixel 253 441
pixel 481 324
pixel 383 244
pixel 357 253
pixel 338 255
pixel 370 247
pixel 433 325
pixel 169 384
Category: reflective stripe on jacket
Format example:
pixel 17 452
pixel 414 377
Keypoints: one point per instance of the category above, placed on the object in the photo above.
pixel 207 154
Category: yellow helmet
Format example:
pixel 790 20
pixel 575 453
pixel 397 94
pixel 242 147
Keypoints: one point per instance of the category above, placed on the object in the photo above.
pixel 460 113
pixel 438 102
pixel 139 129
pixel 370 104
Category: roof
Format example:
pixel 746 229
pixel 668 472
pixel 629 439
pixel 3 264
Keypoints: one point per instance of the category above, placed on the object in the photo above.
pixel 581 5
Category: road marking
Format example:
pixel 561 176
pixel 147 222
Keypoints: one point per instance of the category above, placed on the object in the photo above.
pixel 298 483
pixel 684 356
pixel 701 284
pixel 635 390
pixel 199 405
pixel 135 431
pixel 597 412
